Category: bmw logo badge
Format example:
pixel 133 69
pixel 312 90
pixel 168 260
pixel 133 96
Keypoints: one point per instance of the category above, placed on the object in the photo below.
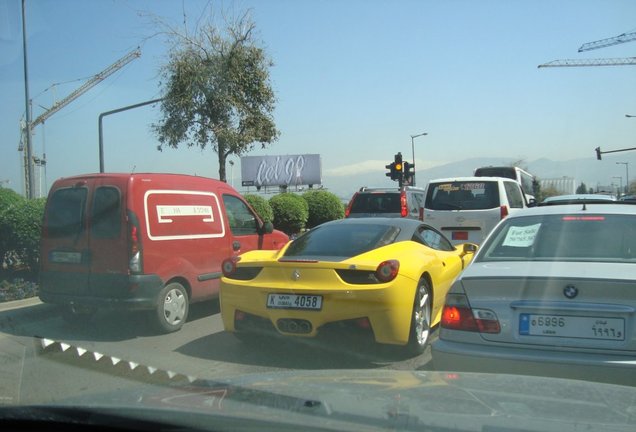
pixel 570 291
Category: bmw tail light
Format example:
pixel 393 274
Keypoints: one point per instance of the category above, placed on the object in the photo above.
pixel 387 270
pixel 503 211
pixel 458 315
pixel 404 211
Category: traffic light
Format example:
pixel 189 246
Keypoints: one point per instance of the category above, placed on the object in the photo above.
pixel 391 168
pixel 399 168
pixel 409 173
pixel 598 153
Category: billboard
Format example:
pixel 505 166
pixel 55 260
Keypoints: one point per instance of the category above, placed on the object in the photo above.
pixel 288 170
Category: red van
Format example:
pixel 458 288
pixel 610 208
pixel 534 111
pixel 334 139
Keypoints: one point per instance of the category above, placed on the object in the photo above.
pixel 143 242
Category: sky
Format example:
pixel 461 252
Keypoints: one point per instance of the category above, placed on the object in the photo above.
pixel 353 81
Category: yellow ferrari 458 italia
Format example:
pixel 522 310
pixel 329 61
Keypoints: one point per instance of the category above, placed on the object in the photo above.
pixel 386 275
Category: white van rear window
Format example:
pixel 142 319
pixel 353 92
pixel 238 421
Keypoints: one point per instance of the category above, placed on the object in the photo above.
pixel 462 195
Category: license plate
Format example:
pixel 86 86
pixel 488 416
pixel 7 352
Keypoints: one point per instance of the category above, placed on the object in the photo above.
pixel 66 257
pixel 572 326
pixel 460 235
pixel 294 301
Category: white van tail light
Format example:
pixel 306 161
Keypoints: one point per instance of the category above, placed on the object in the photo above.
pixel 404 211
pixel 503 211
pixel 458 315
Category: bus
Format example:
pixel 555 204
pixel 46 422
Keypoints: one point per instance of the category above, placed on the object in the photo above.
pixel 526 180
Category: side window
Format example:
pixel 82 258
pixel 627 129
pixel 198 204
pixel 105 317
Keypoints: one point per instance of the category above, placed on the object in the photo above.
pixel 514 195
pixel 242 220
pixel 106 214
pixel 434 239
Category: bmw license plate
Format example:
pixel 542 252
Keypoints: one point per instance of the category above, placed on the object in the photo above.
pixel 572 326
pixel 294 301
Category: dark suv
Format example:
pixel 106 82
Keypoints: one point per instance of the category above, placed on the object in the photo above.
pixel 407 201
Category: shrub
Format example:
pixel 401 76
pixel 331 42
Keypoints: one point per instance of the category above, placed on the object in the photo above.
pixel 323 206
pixel 260 206
pixel 9 199
pixel 290 212
pixel 17 289
pixel 24 222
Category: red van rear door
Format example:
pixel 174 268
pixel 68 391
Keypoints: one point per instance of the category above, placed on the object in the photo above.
pixel 108 238
pixel 65 252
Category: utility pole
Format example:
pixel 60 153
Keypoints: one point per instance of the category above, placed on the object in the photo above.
pixel 29 184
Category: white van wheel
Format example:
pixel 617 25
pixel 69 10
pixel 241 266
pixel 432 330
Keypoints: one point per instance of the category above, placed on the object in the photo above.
pixel 173 307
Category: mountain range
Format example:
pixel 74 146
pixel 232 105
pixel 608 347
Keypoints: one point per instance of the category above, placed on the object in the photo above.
pixel 612 170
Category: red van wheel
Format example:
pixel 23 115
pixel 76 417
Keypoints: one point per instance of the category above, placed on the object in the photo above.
pixel 173 307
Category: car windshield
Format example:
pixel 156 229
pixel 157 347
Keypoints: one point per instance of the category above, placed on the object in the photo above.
pixel 343 241
pixel 563 237
pixel 318 214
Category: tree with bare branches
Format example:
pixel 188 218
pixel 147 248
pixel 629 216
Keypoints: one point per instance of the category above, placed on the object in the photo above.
pixel 217 91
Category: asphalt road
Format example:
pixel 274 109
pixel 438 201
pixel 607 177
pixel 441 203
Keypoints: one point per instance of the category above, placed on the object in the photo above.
pixel 115 350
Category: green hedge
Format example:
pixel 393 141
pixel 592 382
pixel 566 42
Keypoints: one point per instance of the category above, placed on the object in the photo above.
pixel 323 206
pixel 20 228
pixel 260 206
pixel 290 212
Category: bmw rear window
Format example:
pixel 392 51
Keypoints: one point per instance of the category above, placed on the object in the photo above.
pixel 341 241
pixel 462 195
pixel 576 237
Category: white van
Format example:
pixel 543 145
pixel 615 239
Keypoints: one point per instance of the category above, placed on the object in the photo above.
pixel 466 209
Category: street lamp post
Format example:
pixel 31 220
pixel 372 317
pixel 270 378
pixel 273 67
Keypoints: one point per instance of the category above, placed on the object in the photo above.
pixel 413 152
pixel 626 175
pixel 620 179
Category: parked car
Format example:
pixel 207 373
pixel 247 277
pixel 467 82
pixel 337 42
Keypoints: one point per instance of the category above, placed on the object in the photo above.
pixel 386 276
pixel 551 292
pixel 577 198
pixel 407 201
pixel 143 242
pixel 466 209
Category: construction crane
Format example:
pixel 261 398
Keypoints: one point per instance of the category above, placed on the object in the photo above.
pixel 622 38
pixel 90 83
pixel 627 61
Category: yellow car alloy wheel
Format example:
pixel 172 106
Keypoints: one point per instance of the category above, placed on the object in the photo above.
pixel 421 317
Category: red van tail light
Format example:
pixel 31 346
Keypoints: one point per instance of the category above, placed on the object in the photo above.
pixel 404 211
pixel 458 315
pixel 503 211
pixel 135 250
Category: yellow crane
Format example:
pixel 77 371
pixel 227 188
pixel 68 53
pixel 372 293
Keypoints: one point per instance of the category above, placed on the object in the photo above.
pixel 90 83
